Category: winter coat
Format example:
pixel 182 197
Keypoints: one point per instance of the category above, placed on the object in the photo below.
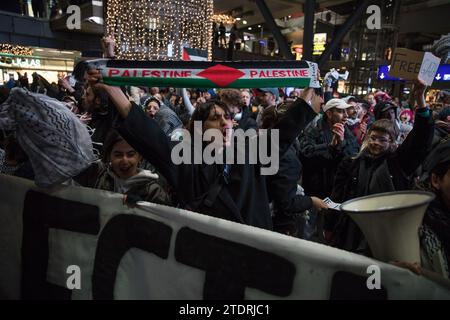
pixel 320 160
pixel 236 192
pixel 288 205
pixel 145 184
pixel 366 175
pixel 435 238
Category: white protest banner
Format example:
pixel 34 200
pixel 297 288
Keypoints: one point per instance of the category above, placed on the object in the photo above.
pixel 79 243
pixel 410 65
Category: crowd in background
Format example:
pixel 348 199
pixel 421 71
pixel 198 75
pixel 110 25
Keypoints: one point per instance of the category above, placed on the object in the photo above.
pixel 330 147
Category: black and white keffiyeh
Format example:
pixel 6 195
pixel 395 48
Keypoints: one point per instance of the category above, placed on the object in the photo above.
pixel 56 142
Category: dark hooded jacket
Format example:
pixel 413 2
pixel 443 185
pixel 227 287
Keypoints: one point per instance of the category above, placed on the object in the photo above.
pixel 237 192
pixel 288 205
pixel 320 160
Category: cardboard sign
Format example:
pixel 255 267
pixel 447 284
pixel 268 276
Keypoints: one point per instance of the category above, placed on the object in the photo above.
pixel 410 65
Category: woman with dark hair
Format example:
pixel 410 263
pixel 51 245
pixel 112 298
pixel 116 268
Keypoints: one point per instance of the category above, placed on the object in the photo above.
pixel 118 171
pixel 234 192
pixel 152 106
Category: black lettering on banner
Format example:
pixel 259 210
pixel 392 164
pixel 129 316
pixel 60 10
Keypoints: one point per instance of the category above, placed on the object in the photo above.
pixel 40 213
pixel 349 286
pixel 231 267
pixel 121 233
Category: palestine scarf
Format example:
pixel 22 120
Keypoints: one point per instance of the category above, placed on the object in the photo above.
pixel 201 74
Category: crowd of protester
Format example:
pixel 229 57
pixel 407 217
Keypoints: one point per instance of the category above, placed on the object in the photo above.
pixel 337 148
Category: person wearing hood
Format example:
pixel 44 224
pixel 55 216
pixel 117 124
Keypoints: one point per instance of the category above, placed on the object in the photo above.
pixel 118 171
pixel 164 116
pixel 381 166
pixel 388 110
pixel 435 229
pixel 443 124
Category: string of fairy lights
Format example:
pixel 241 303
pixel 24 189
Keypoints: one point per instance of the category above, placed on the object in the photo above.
pixel 223 18
pixel 15 50
pixel 158 29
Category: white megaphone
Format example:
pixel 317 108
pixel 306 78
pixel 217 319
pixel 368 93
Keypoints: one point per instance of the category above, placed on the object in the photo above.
pixel 390 222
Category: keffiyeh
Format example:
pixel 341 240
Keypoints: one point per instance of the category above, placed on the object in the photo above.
pixel 56 142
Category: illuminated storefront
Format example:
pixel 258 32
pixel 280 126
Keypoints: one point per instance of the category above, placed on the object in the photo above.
pixel 52 64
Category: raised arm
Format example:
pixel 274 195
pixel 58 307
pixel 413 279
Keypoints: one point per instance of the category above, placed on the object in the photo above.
pixel 141 132
pixel 299 115
pixel 187 103
pixel 413 151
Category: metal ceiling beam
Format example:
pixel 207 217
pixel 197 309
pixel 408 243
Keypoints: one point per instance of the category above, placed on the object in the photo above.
pixel 281 40
pixel 308 31
pixel 354 17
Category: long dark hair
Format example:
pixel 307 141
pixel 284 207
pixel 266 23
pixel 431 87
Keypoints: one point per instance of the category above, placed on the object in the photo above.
pixel 201 113
pixel 148 100
pixel 112 138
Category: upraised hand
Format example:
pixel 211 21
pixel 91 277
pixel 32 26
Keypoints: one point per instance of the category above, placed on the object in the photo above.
pixel 94 78
pixel 338 134
pixel 314 100
pixel 418 93
pixel 119 99
pixel 108 46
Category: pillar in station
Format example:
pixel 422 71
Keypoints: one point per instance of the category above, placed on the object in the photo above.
pixel 159 29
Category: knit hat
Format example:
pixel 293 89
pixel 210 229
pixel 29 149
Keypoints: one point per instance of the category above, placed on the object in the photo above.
pixel 439 155
pixel 383 106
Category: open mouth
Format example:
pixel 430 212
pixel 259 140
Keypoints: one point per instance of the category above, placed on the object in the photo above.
pixel 124 169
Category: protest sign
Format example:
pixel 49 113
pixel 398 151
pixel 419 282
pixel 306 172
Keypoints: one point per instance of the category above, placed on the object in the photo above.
pixel 410 65
pixel 73 243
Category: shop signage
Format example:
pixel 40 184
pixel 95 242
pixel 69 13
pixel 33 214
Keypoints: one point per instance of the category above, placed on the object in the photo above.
pixel 18 62
pixel 442 73
pixel 320 40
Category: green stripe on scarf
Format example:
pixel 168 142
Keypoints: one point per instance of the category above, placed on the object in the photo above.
pixel 205 83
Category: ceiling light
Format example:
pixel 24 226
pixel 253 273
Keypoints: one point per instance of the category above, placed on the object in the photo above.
pixel 249 28
pixel 244 21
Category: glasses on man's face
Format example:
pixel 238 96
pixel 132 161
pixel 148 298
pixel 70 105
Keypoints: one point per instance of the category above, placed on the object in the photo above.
pixel 382 140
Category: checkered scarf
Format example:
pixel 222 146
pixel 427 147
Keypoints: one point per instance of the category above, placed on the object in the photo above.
pixel 56 142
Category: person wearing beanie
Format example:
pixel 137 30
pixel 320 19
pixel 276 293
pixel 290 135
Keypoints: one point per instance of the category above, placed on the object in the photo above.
pixel 388 110
pixel 435 229
pixel 443 124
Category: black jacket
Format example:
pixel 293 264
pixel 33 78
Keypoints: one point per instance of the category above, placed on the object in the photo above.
pixel 365 175
pixel 282 189
pixel 242 197
pixel 320 160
